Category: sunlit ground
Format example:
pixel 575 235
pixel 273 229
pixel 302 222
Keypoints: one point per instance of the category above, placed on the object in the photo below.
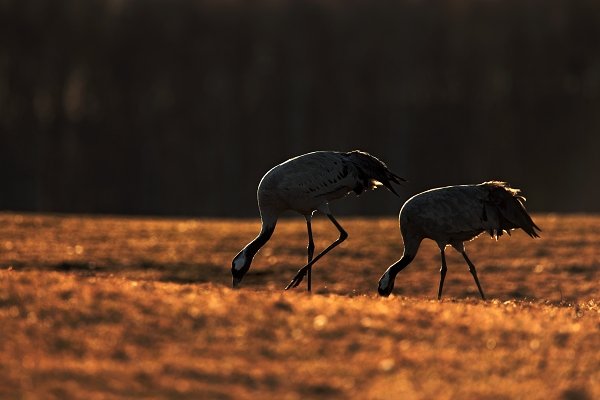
pixel 120 307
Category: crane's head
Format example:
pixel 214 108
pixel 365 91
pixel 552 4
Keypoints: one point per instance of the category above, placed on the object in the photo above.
pixel 239 266
pixel 386 284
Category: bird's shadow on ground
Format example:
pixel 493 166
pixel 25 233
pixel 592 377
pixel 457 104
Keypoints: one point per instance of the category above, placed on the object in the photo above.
pixel 176 272
pixel 186 273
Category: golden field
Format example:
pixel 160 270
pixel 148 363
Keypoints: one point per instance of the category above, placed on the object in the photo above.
pixel 120 308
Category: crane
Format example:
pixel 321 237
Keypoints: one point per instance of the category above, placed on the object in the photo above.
pixel 306 184
pixel 454 214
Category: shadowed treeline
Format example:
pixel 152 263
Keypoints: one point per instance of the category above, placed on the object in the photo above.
pixel 179 107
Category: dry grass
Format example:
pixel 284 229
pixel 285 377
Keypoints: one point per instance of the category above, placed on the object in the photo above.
pixel 119 308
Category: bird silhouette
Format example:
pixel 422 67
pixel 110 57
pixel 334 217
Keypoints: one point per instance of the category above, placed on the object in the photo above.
pixel 306 184
pixel 454 214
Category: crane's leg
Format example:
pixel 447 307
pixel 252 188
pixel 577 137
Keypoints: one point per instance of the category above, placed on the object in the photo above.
pixel 474 273
pixel 311 250
pixel 442 274
pixel 302 271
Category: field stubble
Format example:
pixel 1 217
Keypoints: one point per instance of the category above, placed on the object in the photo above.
pixel 99 307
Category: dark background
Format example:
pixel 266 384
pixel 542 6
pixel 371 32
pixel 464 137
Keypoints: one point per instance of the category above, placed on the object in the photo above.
pixel 179 107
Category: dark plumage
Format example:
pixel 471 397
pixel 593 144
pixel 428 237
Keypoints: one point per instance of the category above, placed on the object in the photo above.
pixel 370 171
pixel 454 214
pixel 305 184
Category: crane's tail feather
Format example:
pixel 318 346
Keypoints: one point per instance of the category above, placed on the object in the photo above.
pixel 374 171
pixel 511 209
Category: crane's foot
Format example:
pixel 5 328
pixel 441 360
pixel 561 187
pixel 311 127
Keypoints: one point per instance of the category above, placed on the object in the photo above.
pixel 296 279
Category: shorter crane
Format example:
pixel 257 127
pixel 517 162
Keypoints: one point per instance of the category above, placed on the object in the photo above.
pixel 454 214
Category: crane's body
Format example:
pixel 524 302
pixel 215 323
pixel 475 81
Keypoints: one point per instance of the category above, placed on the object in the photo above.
pixel 306 184
pixel 454 214
pixel 310 181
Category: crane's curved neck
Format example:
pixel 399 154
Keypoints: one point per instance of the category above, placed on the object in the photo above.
pixel 400 264
pixel 263 237
pixel 241 262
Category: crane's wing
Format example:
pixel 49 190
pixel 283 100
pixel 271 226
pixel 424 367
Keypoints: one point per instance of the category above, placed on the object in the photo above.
pixel 491 206
pixel 305 182
pixel 323 175
pixel 506 207
pixel 451 210
pixel 371 172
